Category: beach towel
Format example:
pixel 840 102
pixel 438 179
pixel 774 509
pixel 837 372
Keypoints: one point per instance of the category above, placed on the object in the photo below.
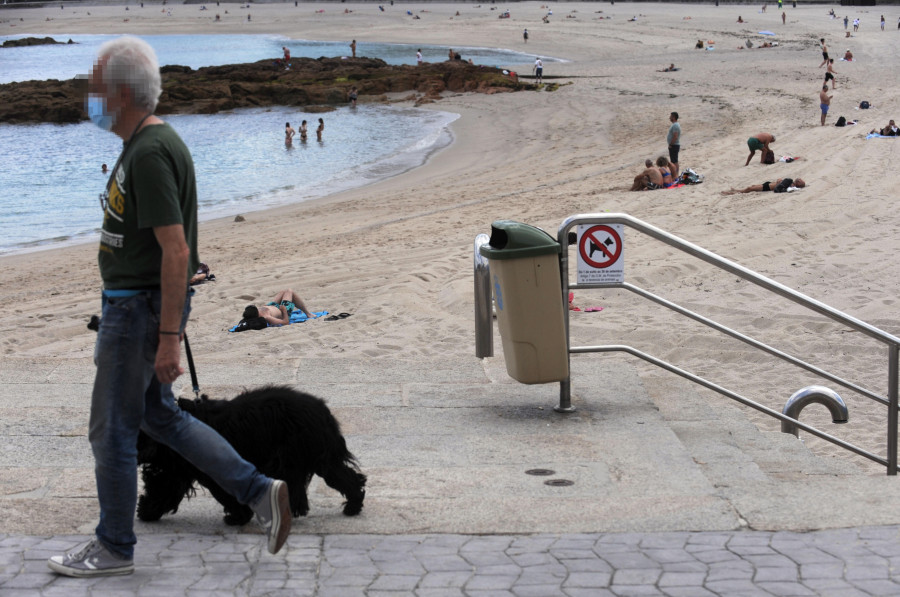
pixel 877 136
pixel 766 33
pixel 297 316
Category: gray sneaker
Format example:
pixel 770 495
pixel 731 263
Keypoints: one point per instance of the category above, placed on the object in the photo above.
pixel 90 559
pixel 274 512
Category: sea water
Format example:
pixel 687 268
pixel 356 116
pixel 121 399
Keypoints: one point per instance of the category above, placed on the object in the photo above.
pixel 69 60
pixel 51 179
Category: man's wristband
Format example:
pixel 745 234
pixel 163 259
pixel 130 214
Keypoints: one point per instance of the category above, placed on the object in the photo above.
pixel 162 333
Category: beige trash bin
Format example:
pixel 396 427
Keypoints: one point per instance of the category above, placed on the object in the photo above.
pixel 524 264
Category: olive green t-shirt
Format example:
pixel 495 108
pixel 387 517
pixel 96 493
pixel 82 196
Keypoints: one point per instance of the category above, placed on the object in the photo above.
pixel 153 186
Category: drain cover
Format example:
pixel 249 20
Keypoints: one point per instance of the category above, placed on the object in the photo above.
pixel 540 472
pixel 559 482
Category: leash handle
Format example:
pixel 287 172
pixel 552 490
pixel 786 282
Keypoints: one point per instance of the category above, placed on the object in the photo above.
pixel 190 358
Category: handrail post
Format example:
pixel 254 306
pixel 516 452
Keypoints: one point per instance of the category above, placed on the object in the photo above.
pixel 565 386
pixel 484 329
pixel 894 352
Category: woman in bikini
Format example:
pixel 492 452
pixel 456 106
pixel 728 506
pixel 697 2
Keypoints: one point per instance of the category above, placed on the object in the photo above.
pixel 319 130
pixel 303 132
pixel 662 163
pixel 288 133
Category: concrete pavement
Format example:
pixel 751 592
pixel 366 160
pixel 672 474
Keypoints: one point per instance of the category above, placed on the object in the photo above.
pixel 671 493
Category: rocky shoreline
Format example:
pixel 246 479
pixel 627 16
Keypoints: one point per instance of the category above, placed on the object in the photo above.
pixel 315 85
pixel 34 41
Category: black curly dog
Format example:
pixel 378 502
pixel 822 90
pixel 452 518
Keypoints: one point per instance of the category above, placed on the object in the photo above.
pixel 286 434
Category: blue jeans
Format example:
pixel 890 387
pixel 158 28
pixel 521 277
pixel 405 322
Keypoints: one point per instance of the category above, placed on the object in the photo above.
pixel 128 397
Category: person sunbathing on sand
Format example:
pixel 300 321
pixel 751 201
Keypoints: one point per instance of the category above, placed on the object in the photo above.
pixel 278 312
pixel 651 178
pixel 890 130
pixel 668 69
pixel 768 186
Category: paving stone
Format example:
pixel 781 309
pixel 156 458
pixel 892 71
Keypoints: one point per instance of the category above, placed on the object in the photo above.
pixel 587 580
pixel 681 579
pixel 395 582
pixel 631 576
pixel 492 582
pixel 877 587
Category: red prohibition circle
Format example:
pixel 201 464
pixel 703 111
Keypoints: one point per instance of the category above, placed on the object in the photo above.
pixel 611 257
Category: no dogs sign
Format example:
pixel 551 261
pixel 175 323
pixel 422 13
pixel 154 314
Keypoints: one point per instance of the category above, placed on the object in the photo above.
pixel 601 258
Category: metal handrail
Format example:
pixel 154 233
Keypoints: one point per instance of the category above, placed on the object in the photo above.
pixel 890 340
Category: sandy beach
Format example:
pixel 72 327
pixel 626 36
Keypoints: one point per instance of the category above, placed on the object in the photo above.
pixel 398 254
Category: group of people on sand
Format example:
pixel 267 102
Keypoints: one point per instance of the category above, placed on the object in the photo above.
pixel 660 175
pixel 664 173
pixel 760 142
pixel 289 132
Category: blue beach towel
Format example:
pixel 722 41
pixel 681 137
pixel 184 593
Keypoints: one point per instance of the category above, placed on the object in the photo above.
pixel 297 316
pixel 877 136
pixel 766 33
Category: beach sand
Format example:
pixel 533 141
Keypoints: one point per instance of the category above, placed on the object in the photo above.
pixel 398 254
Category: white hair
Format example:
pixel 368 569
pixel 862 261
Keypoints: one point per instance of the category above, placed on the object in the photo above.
pixel 132 63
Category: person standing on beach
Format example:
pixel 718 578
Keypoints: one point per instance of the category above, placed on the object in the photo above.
pixel 288 134
pixel 419 57
pixel 538 71
pixel 352 96
pixel 525 35
pixel 759 142
pixel 353 47
pixel 320 129
pixel 846 21
pixel 824 53
pixel 824 102
pixel 882 22
pixel 673 138
pixel 148 250
pixel 829 74
pixel 287 57
pixel 783 18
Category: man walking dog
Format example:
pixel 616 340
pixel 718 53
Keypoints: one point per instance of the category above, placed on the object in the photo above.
pixel 148 248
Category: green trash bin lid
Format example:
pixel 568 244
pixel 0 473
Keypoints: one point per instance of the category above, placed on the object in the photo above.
pixel 514 240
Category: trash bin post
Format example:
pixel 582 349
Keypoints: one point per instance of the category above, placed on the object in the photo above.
pixel 484 328
pixel 565 385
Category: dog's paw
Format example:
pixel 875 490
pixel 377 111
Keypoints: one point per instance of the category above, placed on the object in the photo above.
pixel 147 513
pixel 354 506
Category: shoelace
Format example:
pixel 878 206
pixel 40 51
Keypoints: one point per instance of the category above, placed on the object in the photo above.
pixel 84 551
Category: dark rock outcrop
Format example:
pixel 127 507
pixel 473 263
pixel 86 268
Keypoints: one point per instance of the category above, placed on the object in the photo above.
pixel 33 41
pixel 311 84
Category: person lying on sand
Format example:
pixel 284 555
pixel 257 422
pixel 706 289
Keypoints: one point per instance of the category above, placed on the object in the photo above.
pixel 781 183
pixel 668 69
pixel 278 312
pixel 890 130
pixel 651 178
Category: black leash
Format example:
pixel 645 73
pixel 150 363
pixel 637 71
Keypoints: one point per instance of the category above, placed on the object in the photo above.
pixel 94 325
pixel 190 358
